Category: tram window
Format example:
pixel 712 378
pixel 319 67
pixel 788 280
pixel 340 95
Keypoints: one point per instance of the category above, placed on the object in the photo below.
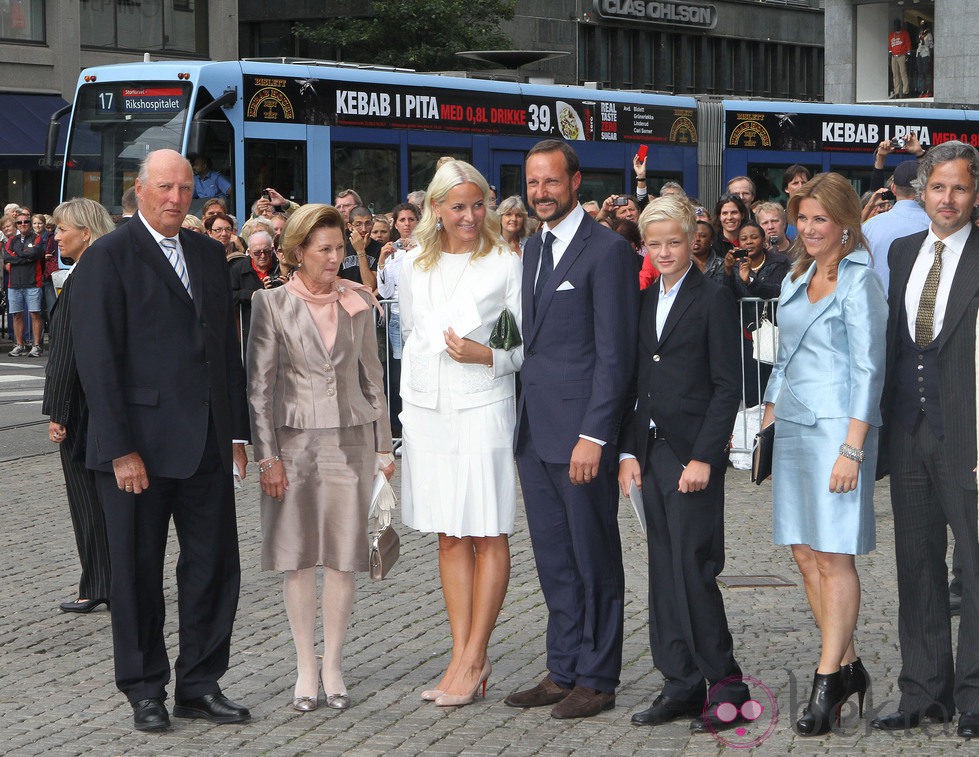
pixel 277 164
pixel 371 171
pixel 511 181
pixel 421 164
pixel 768 181
pixel 217 148
pixel 858 177
pixel 597 185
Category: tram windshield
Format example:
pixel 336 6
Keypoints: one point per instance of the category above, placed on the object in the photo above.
pixel 113 127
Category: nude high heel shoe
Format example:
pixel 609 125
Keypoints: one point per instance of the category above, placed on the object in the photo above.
pixel 456 700
pixel 430 695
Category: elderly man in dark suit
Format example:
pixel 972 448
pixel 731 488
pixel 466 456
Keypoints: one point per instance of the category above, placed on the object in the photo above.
pixel 580 309
pixel 929 409
pixel 165 386
pixel 675 441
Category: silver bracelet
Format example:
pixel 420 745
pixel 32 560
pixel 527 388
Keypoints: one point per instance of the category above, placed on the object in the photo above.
pixel 266 465
pixel 851 453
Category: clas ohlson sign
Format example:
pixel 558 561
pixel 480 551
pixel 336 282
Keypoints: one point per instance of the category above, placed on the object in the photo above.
pixel 675 12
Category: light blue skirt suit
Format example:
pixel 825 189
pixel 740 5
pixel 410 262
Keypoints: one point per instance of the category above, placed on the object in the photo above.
pixel 829 369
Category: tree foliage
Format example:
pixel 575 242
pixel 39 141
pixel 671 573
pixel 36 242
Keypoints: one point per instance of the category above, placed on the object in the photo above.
pixel 419 34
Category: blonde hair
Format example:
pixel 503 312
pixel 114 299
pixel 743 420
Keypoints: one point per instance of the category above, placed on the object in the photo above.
pixel 429 237
pixel 259 223
pixel 82 213
pixel 194 223
pixel 301 224
pixel 841 204
pixel 669 208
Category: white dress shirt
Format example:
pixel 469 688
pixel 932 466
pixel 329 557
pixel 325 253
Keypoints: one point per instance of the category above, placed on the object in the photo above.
pixel 158 237
pixel 563 234
pixel 954 243
pixel 663 307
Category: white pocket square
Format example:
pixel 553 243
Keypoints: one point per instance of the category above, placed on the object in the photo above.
pixel 565 286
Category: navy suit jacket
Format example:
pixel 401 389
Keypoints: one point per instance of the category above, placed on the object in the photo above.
pixel 689 379
pixel 156 366
pixel 580 345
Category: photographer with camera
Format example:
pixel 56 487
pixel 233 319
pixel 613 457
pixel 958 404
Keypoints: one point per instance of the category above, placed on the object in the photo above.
pixel 260 270
pixel 904 218
pixel 907 143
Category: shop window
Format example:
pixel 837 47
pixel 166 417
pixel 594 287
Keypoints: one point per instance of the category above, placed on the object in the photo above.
pixel 153 25
pixel 22 20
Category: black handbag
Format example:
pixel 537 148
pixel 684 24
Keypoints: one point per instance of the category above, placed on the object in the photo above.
pixel 506 333
pixel 761 455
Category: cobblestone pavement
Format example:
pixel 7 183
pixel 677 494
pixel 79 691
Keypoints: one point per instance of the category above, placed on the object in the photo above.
pixel 57 696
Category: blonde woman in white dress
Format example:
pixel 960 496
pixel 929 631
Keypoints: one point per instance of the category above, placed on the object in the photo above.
pixel 458 475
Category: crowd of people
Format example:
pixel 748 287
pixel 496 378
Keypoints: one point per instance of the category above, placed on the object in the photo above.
pixel 622 320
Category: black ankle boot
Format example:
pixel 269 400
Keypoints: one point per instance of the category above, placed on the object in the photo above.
pixel 828 693
pixel 855 681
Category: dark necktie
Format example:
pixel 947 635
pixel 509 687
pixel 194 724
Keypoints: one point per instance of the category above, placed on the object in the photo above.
pixel 924 322
pixel 546 266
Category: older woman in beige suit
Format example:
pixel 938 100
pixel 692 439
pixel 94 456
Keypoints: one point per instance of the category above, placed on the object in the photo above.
pixel 321 430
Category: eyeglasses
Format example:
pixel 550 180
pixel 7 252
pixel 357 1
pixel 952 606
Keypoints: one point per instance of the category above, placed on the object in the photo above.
pixel 263 251
pixel 23 223
pixel 362 224
pixel 221 230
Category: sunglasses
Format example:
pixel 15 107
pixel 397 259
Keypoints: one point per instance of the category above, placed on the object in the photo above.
pixel 23 223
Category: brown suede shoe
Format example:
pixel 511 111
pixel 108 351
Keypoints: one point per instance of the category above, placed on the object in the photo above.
pixel 545 693
pixel 583 702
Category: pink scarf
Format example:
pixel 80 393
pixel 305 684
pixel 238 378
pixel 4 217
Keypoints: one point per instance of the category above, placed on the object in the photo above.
pixel 323 307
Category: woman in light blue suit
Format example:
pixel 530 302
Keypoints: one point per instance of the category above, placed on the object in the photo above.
pixel 824 398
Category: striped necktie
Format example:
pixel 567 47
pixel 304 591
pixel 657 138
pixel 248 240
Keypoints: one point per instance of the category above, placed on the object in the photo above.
pixel 169 246
pixel 924 322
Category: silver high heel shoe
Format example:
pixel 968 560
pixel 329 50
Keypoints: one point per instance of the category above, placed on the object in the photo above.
pixel 338 701
pixel 305 704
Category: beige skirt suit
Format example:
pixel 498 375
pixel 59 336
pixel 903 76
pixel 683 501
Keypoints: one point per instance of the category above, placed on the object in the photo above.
pixel 324 413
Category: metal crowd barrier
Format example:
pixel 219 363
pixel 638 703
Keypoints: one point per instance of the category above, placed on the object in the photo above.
pixel 754 373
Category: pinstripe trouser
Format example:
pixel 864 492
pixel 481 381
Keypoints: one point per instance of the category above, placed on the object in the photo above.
pixel 88 521
pixel 927 499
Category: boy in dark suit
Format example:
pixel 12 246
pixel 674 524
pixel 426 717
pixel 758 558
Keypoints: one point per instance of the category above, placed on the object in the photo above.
pixel 674 447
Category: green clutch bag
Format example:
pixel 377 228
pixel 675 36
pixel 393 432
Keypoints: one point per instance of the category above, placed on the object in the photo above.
pixel 506 334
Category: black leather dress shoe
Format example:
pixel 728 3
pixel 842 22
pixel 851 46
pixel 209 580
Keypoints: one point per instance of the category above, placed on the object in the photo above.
pixel 214 707
pixel 708 722
pixel 150 715
pixel 665 709
pixel 968 725
pixel 901 721
pixel 83 605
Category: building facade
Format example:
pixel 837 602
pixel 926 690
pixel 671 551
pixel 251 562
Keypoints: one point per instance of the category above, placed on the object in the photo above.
pixel 44 44
pixel 858 66
pixel 761 48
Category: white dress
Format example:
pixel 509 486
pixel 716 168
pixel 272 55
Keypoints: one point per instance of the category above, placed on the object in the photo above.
pixel 458 475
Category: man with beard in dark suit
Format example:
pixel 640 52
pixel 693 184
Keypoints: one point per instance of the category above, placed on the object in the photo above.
pixel 929 409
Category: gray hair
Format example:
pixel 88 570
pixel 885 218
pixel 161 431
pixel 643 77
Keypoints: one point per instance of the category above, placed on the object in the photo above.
pixel 675 186
pixel 263 233
pixel 944 153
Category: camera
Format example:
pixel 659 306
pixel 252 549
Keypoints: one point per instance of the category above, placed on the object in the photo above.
pixel 773 241
pixel 888 195
pixel 899 143
pixel 738 253
pixel 620 202
pixel 266 195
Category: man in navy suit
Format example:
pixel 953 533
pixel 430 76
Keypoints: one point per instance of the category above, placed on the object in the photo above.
pixel 675 443
pixel 580 310
pixel 159 364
